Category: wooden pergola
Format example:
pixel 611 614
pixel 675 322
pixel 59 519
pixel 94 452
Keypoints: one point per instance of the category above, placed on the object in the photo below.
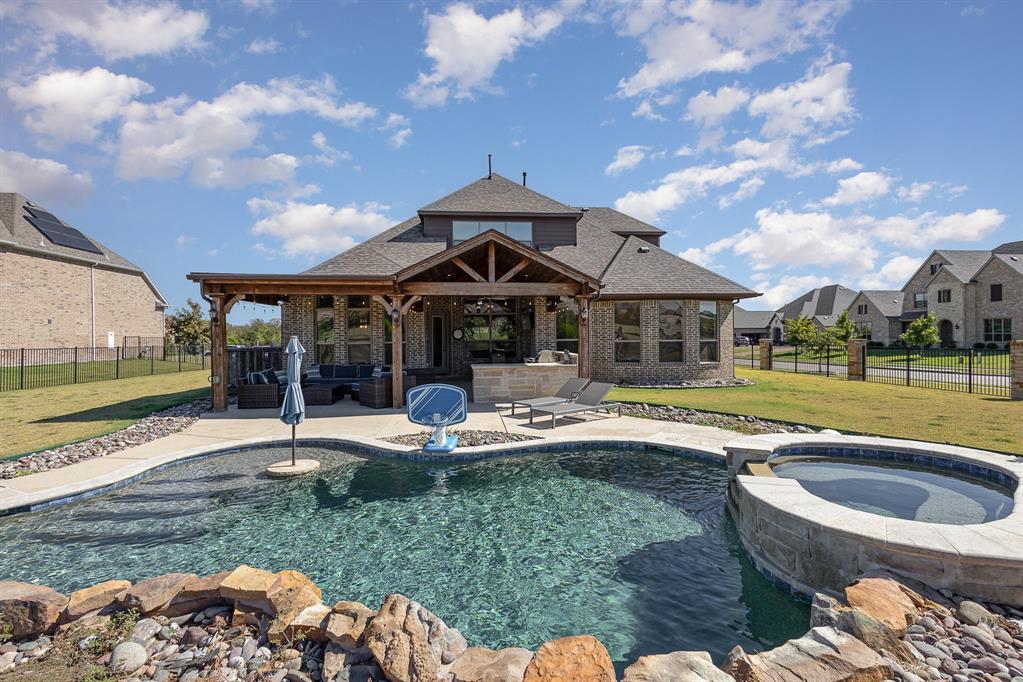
pixel 488 265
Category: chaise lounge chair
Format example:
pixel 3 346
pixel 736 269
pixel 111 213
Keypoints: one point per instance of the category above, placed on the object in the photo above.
pixel 590 400
pixel 568 391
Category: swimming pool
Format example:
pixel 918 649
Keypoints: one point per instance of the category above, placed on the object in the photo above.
pixel 632 546
pixel 899 490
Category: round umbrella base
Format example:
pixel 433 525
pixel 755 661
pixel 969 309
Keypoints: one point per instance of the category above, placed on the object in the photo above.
pixel 284 469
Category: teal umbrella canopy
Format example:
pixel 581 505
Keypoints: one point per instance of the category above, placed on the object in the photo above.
pixel 293 407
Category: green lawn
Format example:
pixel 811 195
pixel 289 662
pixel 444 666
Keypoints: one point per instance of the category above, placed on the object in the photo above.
pixel 987 362
pixel 41 418
pixel 62 373
pixel 856 406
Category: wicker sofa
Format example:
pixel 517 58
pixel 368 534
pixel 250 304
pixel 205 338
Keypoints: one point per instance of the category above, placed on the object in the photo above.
pixel 262 389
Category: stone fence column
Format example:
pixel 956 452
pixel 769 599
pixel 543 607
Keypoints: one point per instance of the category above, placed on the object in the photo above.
pixel 766 354
pixel 1016 370
pixel 856 351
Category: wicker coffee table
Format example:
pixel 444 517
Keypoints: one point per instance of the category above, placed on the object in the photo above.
pixel 324 394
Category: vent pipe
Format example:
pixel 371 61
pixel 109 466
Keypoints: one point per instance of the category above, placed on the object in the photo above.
pixel 523 178
pixel 490 168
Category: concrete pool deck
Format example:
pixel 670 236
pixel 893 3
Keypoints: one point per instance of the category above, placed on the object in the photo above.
pixel 343 420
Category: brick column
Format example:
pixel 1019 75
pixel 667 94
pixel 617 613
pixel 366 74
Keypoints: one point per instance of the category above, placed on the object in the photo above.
pixel 1016 369
pixel 766 354
pixel 856 352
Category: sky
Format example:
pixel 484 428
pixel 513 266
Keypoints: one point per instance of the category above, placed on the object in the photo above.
pixel 783 145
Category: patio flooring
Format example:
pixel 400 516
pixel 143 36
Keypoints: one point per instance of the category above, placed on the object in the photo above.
pixel 344 419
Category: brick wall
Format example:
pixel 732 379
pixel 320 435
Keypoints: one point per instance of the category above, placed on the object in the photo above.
pixel 650 369
pixel 881 328
pixel 957 311
pixel 1011 305
pixel 45 302
pixel 545 327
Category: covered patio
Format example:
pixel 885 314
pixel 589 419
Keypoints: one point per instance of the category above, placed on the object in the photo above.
pixel 486 268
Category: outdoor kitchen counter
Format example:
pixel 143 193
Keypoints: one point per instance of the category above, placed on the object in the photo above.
pixel 515 381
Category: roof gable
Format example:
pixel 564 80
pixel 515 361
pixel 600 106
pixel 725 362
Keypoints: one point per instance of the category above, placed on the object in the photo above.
pixel 963 263
pixel 824 301
pixel 888 302
pixel 752 319
pixel 499 195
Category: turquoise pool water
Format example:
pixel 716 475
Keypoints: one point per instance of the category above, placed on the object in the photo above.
pixel 633 547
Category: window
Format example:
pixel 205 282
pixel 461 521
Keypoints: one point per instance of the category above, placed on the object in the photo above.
pixel 861 308
pixel 490 329
pixel 325 330
pixel 935 267
pixel 998 329
pixel 944 295
pixel 389 336
pixel 567 324
pixel 708 331
pixel 627 338
pixel 920 300
pixel 467 229
pixel 865 329
pixel 996 293
pixel 358 330
pixel 669 330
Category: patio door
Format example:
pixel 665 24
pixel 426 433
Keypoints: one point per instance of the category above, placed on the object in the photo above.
pixel 439 343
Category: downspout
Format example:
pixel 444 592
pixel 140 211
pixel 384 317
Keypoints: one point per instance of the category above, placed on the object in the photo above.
pixel 92 301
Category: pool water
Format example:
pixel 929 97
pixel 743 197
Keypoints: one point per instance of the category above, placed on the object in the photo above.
pixel 634 547
pixel 900 491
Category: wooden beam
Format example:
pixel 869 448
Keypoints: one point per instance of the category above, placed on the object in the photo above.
pixel 385 303
pixel 218 353
pixel 229 301
pixel 468 270
pixel 491 262
pixel 409 303
pixel 515 270
pixel 490 288
pixel 297 289
pixel 583 306
pixel 397 362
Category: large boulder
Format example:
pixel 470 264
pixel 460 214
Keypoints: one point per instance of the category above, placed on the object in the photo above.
pixel 89 599
pixel 309 623
pixel 29 609
pixel 571 658
pixel 347 624
pixel 152 595
pixel 824 654
pixel 680 666
pixel 197 594
pixel 410 643
pixel 251 586
pixel 127 657
pixel 295 594
pixel 884 600
pixel 477 664
pixel 827 612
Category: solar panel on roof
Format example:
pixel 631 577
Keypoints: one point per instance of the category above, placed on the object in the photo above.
pixel 59 233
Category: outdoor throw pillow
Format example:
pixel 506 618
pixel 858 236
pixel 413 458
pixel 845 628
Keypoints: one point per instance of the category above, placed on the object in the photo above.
pixel 270 376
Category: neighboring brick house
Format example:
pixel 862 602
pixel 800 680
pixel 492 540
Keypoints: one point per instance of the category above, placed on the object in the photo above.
pixel 822 305
pixel 876 315
pixel 61 288
pixel 758 324
pixel 495 273
pixel 976 296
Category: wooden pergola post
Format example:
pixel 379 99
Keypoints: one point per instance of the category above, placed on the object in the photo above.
pixel 397 361
pixel 583 306
pixel 218 351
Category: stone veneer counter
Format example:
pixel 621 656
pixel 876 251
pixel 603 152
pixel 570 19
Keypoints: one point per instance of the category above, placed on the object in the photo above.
pixel 516 381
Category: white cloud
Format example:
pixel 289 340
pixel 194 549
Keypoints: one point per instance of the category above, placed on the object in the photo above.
pixel 843 166
pixel 626 158
pixel 956 190
pixel 183 241
pixel 264 46
pixel 328 156
pixel 818 140
pixel 266 6
pixel 972 11
pixel 915 192
pixel 402 128
pixel 122 30
pixel 862 187
pixel 787 288
pixel 892 274
pixel 747 189
pixel 928 229
pixel 685 150
pixel 467 48
pixel 42 180
pixel 822 99
pixel 708 109
pixel 210 172
pixel 645 109
pixel 165 139
pixel 70 106
pixel 306 229
pixel 705 256
pixel 787 238
pixel 684 40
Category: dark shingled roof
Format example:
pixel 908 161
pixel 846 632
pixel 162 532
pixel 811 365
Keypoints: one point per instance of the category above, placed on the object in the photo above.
pixel 497 194
pixel 822 301
pixel 17 232
pixel 619 223
pixel 751 319
pixel 1009 247
pixel 641 269
pixel 1012 260
pixel 964 263
pixel 887 301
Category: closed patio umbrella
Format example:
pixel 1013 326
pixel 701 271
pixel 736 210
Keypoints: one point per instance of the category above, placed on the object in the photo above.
pixel 293 407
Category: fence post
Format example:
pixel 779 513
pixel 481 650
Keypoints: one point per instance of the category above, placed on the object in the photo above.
pixel 908 353
pixel 766 354
pixel 827 361
pixel 856 359
pixel 21 374
pixel 180 351
pixel 796 364
pixel 117 363
pixel 75 366
pixel 152 360
pixel 969 375
pixel 1016 369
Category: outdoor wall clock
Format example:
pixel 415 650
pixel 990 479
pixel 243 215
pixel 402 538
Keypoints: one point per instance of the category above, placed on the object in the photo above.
pixel 457 334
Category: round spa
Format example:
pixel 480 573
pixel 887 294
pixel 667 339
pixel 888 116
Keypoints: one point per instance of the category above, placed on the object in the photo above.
pixel 816 511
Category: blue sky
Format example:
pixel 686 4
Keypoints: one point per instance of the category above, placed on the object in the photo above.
pixel 785 145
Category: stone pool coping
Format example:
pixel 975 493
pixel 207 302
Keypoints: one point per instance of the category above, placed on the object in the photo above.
pixel 781 523
pixel 131 473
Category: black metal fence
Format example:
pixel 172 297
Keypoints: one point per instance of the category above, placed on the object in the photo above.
pixel 22 368
pixel 986 372
pixel 241 361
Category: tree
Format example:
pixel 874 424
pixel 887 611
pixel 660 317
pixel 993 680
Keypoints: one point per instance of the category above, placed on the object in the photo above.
pixel 188 325
pixel 256 332
pixel 800 331
pixel 844 329
pixel 923 331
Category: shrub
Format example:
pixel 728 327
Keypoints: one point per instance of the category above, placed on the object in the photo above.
pixel 875 344
pixel 992 346
pixel 979 345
